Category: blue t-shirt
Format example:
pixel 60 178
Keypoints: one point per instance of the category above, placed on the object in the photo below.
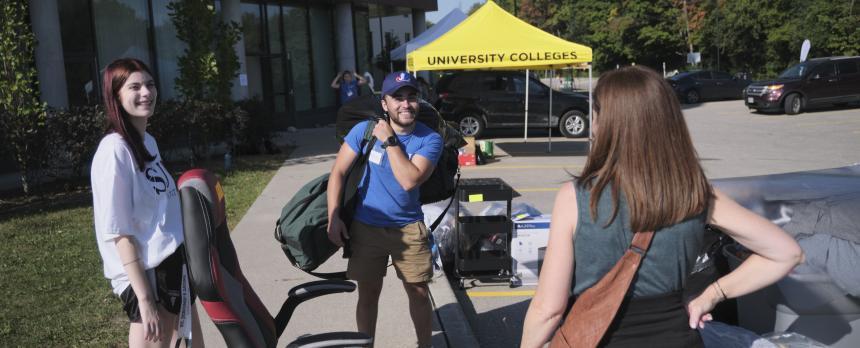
pixel 382 201
pixel 348 90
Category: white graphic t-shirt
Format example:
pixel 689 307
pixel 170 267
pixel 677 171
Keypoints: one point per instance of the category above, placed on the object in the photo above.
pixel 126 201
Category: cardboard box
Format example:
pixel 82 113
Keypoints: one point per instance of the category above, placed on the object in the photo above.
pixel 470 146
pixel 466 159
pixel 528 246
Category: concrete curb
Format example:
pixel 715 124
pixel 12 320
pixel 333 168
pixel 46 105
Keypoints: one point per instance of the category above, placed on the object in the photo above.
pixel 450 313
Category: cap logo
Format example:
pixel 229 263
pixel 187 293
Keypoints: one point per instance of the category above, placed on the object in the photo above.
pixel 401 77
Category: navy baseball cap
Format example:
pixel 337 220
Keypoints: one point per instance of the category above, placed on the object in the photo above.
pixel 398 80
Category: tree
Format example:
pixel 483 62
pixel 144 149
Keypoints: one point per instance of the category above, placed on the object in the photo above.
pixel 209 64
pixel 22 116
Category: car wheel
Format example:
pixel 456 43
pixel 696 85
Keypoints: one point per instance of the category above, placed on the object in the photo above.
pixel 574 124
pixel 471 125
pixel 793 104
pixel 692 97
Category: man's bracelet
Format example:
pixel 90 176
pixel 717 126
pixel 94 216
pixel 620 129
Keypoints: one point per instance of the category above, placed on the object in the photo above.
pixel 131 262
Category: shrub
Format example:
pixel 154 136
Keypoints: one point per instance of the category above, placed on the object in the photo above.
pixel 72 137
pixel 196 125
pixel 257 136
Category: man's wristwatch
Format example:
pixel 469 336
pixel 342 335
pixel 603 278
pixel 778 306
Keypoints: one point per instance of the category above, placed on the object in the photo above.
pixel 391 141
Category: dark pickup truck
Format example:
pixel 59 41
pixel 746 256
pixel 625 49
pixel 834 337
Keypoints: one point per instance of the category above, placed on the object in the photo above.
pixel 817 82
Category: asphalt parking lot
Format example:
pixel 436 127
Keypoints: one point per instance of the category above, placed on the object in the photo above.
pixel 730 140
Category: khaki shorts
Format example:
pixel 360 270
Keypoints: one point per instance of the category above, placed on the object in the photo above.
pixel 408 247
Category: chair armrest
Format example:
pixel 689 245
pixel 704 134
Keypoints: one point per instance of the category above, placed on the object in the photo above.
pixel 332 339
pixel 307 291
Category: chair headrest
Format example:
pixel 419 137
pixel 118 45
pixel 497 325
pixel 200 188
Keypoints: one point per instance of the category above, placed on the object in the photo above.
pixel 208 185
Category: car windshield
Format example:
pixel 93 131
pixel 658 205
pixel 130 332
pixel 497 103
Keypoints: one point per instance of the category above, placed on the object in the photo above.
pixel 798 70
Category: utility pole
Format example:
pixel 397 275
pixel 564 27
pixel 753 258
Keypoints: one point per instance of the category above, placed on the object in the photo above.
pixel 687 27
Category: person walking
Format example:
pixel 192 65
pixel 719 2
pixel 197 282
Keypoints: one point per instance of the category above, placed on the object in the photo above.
pixel 138 222
pixel 643 174
pixel 347 84
pixel 388 218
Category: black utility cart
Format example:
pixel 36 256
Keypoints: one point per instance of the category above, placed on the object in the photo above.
pixel 484 242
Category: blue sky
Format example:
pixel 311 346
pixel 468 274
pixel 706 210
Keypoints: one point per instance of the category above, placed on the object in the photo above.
pixel 446 6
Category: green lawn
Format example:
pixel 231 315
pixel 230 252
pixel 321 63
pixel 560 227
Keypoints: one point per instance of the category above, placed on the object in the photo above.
pixel 52 290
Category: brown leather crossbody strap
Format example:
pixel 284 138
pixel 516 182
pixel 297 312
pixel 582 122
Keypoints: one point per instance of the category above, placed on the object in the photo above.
pixel 596 307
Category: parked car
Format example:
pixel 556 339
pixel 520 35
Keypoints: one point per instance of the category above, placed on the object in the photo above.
pixel 813 83
pixel 695 86
pixel 480 100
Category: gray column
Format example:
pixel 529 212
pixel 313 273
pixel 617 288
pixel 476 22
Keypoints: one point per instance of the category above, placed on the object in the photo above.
pixel 45 18
pixel 419 25
pixel 231 11
pixel 345 36
pixel 419 22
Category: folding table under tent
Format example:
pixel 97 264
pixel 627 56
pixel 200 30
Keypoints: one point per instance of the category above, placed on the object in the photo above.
pixel 492 38
pixel 446 23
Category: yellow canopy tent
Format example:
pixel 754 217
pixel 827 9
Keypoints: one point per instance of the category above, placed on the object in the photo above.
pixel 492 38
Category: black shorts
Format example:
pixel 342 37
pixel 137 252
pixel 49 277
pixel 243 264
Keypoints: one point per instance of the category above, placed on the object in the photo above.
pixel 168 287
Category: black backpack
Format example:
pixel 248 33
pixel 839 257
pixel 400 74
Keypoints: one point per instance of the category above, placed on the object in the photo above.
pixel 441 184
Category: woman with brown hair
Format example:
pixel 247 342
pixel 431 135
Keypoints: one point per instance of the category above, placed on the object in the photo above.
pixel 137 217
pixel 643 174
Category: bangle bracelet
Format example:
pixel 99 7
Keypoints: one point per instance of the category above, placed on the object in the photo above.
pixel 131 262
pixel 720 289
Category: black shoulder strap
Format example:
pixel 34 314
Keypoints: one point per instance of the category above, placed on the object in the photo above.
pixel 353 179
pixel 350 191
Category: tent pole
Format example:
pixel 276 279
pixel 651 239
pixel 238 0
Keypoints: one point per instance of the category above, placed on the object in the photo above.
pixel 526 126
pixel 590 107
pixel 549 115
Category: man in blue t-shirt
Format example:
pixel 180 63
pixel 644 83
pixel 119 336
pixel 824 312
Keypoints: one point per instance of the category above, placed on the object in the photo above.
pixel 347 85
pixel 388 218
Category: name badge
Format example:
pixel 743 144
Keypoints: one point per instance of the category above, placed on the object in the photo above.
pixel 375 157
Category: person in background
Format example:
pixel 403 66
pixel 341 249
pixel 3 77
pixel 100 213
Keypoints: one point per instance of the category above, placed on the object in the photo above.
pixel 643 174
pixel 347 84
pixel 388 218
pixel 138 222
pixel 425 90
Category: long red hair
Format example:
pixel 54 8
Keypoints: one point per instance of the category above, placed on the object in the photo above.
pixel 113 79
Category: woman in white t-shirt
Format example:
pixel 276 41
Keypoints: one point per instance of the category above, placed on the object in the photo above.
pixel 138 220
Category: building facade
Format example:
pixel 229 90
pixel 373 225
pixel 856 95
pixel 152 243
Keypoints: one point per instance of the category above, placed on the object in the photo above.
pixel 289 51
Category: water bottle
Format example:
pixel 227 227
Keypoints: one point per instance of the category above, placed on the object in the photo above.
pixel 228 162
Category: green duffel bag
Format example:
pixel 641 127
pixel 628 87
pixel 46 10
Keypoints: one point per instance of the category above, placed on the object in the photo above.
pixel 302 228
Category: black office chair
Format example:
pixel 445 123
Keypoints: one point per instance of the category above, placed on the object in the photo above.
pixel 221 287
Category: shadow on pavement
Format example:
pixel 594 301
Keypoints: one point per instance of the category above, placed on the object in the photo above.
pixel 540 148
pixel 310 159
pixel 500 327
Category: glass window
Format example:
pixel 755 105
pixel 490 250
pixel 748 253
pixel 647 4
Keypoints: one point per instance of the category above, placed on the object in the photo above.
pixel 535 88
pixel 361 26
pixel 825 70
pixel 79 55
pixel 297 47
pixel 121 30
pixel 168 49
pixel 722 75
pixel 251 28
pixel 847 67
pixel 494 83
pixel 322 39
pixel 273 13
pixel 703 75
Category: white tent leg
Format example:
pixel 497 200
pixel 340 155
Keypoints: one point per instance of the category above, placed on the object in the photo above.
pixel 549 115
pixel 590 103
pixel 526 126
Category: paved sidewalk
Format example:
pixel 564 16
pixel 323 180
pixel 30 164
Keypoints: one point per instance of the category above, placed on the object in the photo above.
pixel 270 273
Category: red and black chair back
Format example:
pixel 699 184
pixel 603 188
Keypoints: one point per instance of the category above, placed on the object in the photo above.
pixel 218 281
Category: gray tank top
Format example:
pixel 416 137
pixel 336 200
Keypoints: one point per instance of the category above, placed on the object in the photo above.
pixel 596 248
